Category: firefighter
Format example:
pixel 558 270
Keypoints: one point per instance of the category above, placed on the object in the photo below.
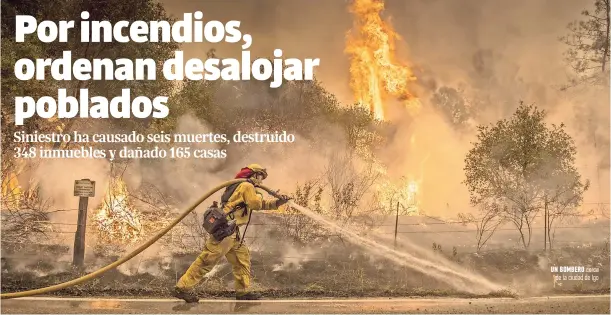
pixel 242 198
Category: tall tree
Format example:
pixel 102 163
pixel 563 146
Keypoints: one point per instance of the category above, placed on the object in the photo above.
pixel 588 42
pixel 520 166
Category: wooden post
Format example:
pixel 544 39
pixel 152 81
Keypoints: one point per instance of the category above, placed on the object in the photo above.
pixel 545 225
pixel 83 189
pixel 396 224
pixel 79 238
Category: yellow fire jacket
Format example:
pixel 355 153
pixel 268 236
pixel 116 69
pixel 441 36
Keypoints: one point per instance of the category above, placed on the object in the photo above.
pixel 246 194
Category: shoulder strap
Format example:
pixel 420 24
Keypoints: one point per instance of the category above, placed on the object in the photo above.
pixel 228 192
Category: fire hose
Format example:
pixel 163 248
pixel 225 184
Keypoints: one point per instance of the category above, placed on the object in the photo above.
pixel 131 255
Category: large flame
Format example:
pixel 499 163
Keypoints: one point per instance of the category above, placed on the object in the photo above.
pixel 376 73
pixel 117 221
pixel 377 76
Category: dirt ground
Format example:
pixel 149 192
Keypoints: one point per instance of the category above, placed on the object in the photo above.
pixel 540 305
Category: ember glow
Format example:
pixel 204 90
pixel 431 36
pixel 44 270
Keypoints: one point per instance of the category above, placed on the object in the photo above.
pixel 376 74
pixel 405 191
pixel 116 219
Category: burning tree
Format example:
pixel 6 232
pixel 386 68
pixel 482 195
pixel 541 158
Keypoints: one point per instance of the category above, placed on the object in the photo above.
pixel 405 191
pixel 117 220
pixel 521 166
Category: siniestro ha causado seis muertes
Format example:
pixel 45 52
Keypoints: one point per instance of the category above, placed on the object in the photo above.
pixel 162 137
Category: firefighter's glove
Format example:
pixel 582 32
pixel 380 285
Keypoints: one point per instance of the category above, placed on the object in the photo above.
pixel 282 199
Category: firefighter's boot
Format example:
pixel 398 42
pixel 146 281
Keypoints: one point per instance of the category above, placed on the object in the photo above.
pixel 188 296
pixel 248 296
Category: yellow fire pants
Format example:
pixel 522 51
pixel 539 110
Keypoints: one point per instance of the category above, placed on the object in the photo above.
pixel 238 256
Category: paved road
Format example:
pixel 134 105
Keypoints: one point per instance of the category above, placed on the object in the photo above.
pixel 598 304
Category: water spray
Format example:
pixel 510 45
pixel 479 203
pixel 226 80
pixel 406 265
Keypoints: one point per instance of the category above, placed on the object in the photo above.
pixel 460 279
pixel 453 275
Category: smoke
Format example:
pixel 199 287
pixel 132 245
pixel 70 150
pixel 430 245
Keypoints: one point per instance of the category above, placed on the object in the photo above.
pixel 493 54
pixel 154 260
pixel 37 264
pixel 431 151
pixel 292 258
pixel 185 178
pixel 499 53
pixel 56 181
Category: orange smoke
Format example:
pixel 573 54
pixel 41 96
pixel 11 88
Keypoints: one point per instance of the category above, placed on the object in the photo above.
pixel 375 72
